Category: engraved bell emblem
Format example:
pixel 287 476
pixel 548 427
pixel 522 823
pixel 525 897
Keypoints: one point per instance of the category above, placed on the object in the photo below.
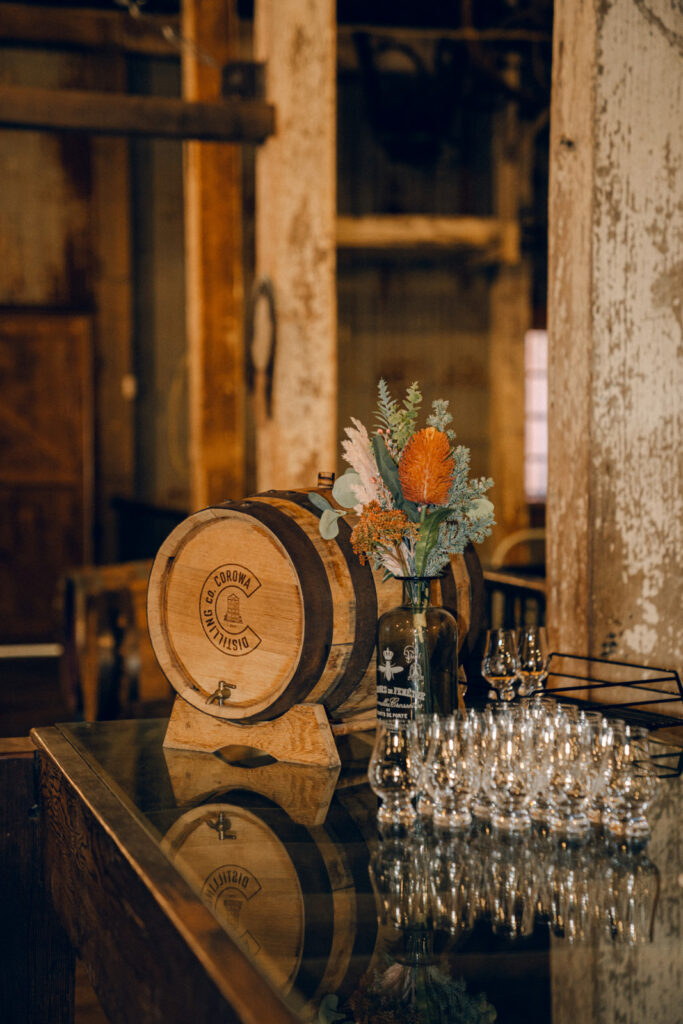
pixel 232 615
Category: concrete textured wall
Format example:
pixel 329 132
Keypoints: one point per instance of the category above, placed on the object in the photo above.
pixel 616 330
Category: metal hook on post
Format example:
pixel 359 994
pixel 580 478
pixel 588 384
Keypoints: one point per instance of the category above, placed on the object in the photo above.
pixel 261 346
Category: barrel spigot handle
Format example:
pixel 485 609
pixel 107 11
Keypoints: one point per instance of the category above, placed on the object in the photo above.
pixel 222 694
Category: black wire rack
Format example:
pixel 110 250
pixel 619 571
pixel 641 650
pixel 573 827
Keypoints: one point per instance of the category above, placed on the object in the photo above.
pixel 639 694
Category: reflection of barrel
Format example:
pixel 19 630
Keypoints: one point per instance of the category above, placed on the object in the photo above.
pixel 251 611
pixel 291 896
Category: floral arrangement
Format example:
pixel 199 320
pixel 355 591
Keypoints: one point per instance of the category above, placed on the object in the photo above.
pixel 410 489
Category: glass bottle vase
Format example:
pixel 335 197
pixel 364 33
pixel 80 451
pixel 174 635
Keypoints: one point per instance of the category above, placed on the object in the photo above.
pixel 417 645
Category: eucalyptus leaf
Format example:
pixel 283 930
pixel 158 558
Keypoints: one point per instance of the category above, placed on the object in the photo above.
pixel 389 472
pixel 319 501
pixel 343 491
pixel 329 526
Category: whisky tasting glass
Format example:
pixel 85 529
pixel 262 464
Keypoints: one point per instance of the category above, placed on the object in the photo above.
pixel 393 772
pixel 481 739
pixel 532 655
pixel 426 727
pixel 500 666
pixel 601 738
pixel 570 780
pixel 509 760
pixel 449 772
pixel 632 784
pixel 543 723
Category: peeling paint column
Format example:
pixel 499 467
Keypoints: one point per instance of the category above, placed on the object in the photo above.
pixel 296 242
pixel 615 502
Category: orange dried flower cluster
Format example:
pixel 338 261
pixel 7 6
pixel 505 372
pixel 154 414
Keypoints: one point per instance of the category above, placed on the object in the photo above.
pixel 380 527
pixel 426 468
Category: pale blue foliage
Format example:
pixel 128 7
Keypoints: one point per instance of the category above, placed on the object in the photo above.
pixel 329 523
pixel 343 490
pixel 440 416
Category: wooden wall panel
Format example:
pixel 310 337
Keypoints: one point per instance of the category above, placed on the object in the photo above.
pixel 407 320
pixel 64 244
pixel 45 465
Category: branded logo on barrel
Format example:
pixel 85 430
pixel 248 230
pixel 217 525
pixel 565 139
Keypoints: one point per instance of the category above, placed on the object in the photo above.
pixel 224 611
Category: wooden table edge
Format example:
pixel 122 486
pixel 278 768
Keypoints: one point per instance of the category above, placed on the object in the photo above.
pixel 242 980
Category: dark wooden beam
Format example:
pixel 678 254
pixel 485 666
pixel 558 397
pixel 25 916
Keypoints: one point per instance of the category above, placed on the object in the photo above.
pixel 87 29
pixel 214 270
pixel 121 114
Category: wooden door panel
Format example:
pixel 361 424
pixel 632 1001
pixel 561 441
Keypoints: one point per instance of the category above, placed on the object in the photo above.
pixel 45 465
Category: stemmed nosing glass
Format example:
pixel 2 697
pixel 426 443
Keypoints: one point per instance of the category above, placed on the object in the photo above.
pixel 500 665
pixel 516 661
pixel 533 657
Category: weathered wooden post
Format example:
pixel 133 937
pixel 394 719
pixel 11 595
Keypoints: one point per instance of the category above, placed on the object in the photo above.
pixel 296 242
pixel 615 498
pixel 615 502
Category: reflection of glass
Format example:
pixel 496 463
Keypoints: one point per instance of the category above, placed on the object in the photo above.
pixel 582 892
pixel 633 888
pixel 399 883
pixel 393 772
pixel 500 665
pixel 408 980
pixel 532 654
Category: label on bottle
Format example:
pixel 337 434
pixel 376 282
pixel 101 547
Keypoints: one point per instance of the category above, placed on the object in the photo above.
pixel 400 684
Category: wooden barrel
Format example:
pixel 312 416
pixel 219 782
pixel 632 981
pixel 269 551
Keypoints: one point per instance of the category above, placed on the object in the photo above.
pixel 251 611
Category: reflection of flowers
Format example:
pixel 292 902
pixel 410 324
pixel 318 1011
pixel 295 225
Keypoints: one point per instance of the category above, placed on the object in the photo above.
pixel 412 993
pixel 417 994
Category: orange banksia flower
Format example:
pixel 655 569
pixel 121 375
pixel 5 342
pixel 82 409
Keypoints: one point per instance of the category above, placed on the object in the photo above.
pixel 426 468
pixel 379 527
